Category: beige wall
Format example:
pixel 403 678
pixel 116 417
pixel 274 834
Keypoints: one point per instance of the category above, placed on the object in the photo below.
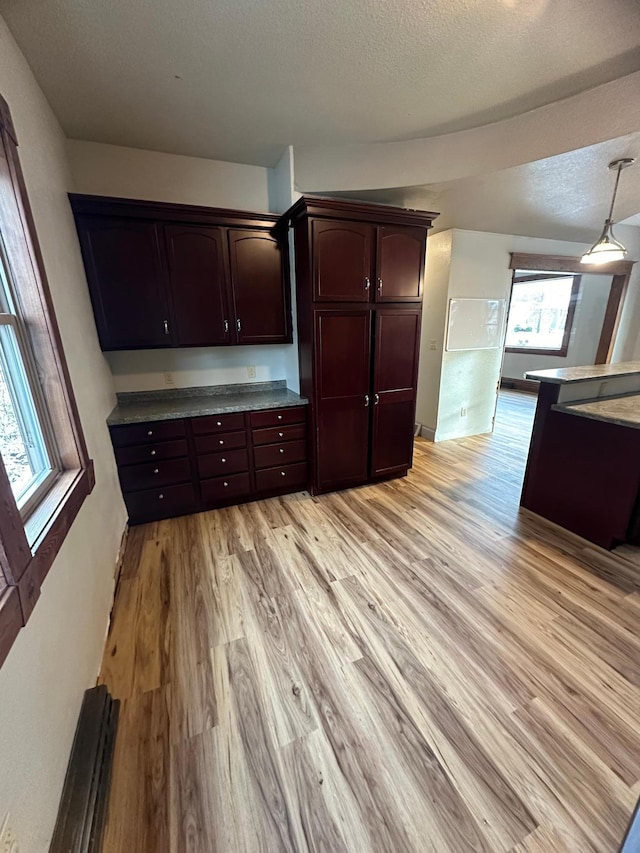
pixel 113 170
pixel 56 657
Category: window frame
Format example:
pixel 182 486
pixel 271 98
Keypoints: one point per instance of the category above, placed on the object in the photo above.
pixel 30 541
pixel 571 311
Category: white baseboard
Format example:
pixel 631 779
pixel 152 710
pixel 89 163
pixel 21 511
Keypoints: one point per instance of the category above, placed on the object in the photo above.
pixel 428 433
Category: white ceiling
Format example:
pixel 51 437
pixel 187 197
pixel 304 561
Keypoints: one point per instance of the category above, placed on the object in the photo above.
pixel 240 79
pixel 566 196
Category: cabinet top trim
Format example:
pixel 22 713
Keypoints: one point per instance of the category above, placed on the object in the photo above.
pixel 334 208
pixel 168 211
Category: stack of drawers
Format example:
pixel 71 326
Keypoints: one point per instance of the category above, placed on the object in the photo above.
pixel 154 467
pixel 279 449
pixel 176 467
pixel 222 457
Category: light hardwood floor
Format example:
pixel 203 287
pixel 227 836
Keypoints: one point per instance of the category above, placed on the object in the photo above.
pixel 413 666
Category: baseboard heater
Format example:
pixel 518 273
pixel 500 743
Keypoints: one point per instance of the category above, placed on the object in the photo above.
pixel 83 806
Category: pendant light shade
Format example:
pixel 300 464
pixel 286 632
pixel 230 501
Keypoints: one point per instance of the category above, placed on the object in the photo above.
pixel 606 248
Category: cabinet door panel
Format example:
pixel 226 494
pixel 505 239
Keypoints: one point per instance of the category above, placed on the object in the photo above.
pixel 198 278
pixel 342 261
pixel 262 313
pixel 397 342
pixel 400 263
pixel 343 352
pixel 127 282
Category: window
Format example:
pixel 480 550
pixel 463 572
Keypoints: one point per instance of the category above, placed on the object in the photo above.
pixel 541 313
pixel 45 471
pixel 27 445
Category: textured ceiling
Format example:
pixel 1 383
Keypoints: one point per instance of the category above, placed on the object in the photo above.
pixel 240 79
pixel 566 196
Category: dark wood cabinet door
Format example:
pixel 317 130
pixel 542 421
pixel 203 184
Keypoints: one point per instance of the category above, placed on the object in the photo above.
pixel 127 282
pixel 343 370
pixel 342 261
pixel 400 263
pixel 262 310
pixel 395 373
pixel 197 271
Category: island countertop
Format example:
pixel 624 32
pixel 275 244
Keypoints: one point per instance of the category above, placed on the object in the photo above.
pixel 174 403
pixel 567 375
pixel 623 410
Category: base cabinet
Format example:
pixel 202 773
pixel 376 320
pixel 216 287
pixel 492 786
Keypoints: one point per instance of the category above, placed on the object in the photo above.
pixel 210 461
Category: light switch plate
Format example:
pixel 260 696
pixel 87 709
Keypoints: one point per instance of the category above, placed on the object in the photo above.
pixel 251 371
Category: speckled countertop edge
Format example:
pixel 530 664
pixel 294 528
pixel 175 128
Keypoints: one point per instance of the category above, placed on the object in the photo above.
pixel 585 373
pixel 140 407
pixel 623 409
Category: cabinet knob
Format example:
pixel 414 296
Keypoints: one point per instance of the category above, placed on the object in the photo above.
pixel 166 326
pixel 282 474
pixel 225 484
pixel 160 497
pixel 282 450
pixel 153 453
pixel 218 423
pixel 223 459
pixel 221 441
pixel 367 283
pixel 156 471
pixel 366 400
pixel 279 417
pixel 149 432
pixel 280 434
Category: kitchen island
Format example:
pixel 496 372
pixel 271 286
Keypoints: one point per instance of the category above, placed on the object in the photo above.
pixel 583 469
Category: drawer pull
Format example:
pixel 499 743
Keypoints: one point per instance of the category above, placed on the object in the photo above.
pixel 280 434
pixel 153 453
pixel 160 496
pixel 156 470
pixel 282 450
pixel 282 474
pixel 279 417
pixel 218 423
pixel 221 441
pixel 150 432
pixel 225 484
pixel 223 459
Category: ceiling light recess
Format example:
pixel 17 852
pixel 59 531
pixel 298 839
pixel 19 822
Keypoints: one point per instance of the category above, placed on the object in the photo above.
pixel 606 248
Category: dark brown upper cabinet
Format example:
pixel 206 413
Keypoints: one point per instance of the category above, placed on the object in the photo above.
pixel 400 254
pixel 127 281
pixel 199 287
pixel 165 275
pixel 261 306
pixel 342 261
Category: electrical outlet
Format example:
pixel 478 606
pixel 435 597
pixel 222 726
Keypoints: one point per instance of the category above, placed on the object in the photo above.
pixel 168 379
pixel 463 412
pixel 251 371
pixel 8 838
pixel 433 344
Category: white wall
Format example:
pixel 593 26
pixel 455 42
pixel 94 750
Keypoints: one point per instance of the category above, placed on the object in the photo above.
pixel 585 332
pixel 112 170
pixel 476 264
pixel 57 655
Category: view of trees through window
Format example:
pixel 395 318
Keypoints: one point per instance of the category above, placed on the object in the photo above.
pixel 540 313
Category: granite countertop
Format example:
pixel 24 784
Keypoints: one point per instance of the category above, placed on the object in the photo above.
pixel 566 375
pixel 173 403
pixel 623 410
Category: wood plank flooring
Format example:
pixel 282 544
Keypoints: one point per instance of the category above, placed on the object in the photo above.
pixel 413 666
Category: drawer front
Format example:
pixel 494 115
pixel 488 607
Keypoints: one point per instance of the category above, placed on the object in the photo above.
pixel 225 488
pixel 273 417
pixel 287 476
pixel 217 423
pixel 219 464
pixel 151 452
pixel 160 502
pixel 150 475
pixel 272 435
pixel 153 431
pixel 227 441
pixel 270 455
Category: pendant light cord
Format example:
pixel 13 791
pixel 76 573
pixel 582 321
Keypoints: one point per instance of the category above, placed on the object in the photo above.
pixel 615 191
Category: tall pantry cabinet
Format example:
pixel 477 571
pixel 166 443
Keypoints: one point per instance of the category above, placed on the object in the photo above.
pixel 359 276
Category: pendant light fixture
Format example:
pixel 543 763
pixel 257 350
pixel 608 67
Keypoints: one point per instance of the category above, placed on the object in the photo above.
pixel 606 248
